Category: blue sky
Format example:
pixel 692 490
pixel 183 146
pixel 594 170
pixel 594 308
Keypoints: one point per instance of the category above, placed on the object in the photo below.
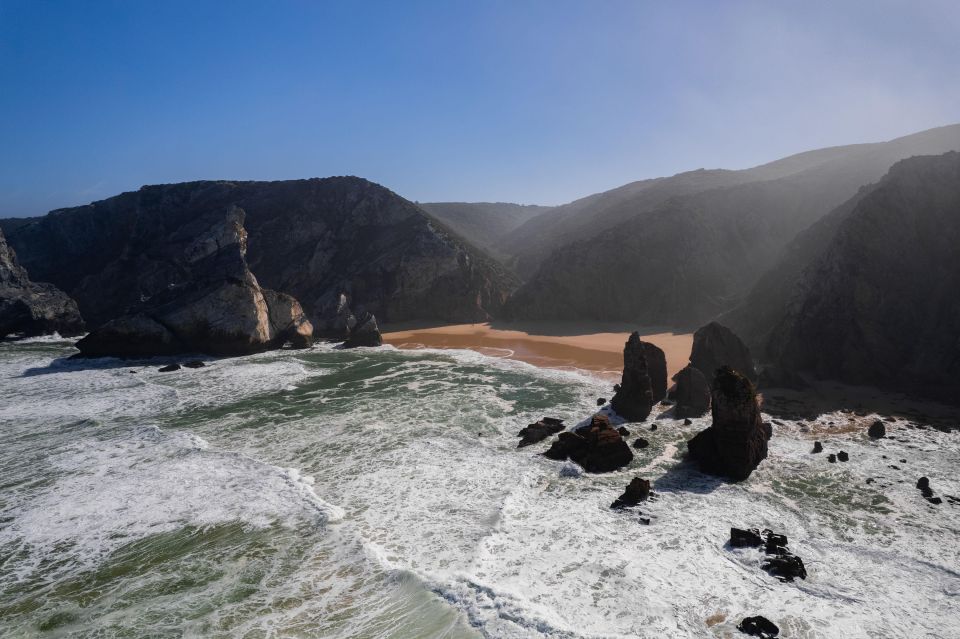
pixel 527 101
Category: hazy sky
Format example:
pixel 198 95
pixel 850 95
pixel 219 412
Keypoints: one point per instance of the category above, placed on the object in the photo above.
pixel 534 102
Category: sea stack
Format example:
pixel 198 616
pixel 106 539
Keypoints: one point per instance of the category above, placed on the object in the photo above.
pixel 736 442
pixel 692 393
pixel 634 398
pixel 715 345
pixel 364 333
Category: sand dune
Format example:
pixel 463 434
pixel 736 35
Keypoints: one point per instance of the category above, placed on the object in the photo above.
pixel 581 345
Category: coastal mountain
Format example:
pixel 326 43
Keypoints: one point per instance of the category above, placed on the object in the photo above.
pixel 877 303
pixel 32 308
pixel 679 251
pixel 487 225
pixel 312 239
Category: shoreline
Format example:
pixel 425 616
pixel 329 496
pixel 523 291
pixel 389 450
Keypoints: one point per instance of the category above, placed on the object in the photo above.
pixel 593 347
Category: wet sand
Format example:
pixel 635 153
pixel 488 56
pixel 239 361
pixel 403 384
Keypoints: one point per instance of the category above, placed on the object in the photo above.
pixel 593 347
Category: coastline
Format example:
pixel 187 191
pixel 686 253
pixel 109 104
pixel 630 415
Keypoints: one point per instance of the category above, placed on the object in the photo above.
pixel 593 347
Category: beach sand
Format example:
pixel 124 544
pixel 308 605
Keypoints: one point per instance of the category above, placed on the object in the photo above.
pixel 597 348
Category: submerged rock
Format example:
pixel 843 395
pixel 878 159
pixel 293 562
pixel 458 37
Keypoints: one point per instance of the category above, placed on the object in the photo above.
pixel 365 333
pixel 634 398
pixel 715 346
pixel 877 430
pixel 759 627
pixel 785 567
pixel 597 447
pixel 194 363
pixel 539 431
pixel 736 442
pixel 637 490
pixel 169 368
pixel 692 393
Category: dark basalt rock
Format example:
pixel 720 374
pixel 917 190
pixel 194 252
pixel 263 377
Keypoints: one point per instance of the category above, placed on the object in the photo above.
pixel 194 363
pixel 637 490
pixel 831 458
pixel 843 456
pixel 634 398
pixel 936 501
pixel 597 447
pixel 877 430
pixel 640 443
pixel 693 393
pixel 817 448
pixel 749 538
pixel 365 333
pixel 759 627
pixel 736 442
pixel 923 482
pixel 601 401
pixel 539 431
pixel 785 567
pixel 687 422
pixel 624 432
pixel 653 427
pixel 32 308
pixel 169 368
pixel 715 346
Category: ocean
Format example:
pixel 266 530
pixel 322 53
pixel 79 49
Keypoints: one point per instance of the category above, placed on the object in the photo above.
pixel 380 493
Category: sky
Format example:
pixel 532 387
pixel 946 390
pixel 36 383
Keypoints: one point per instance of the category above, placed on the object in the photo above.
pixel 530 101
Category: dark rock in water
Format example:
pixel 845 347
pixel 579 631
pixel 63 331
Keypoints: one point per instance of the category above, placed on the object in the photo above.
pixel 653 427
pixel 194 363
pixel 169 368
pixel 657 369
pixel 831 458
pixel 597 448
pixel 749 538
pixel 936 501
pixel 736 442
pixel 926 491
pixel 208 302
pixel 693 393
pixel 634 399
pixel 776 544
pixel 715 346
pixel 623 431
pixel 31 308
pixel 539 431
pixel 923 482
pixel 687 422
pixel 785 567
pixel 817 448
pixel 759 627
pixel 877 430
pixel 640 442
pixel 601 401
pixel 365 333
pixel 637 490
pixel 843 456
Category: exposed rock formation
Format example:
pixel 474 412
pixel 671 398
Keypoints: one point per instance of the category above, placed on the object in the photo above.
pixel 657 369
pixel 634 398
pixel 877 430
pixel 759 627
pixel 637 490
pixel 692 394
pixel 539 431
pixel 736 442
pixel 197 295
pixel 715 346
pixel 364 333
pixel 598 447
pixel 313 239
pixel 32 308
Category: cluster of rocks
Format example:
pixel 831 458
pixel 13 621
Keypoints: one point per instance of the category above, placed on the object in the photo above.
pixel 841 456
pixel 923 485
pixel 538 431
pixel 780 562
pixel 193 363
pixel 644 380
pixel 597 447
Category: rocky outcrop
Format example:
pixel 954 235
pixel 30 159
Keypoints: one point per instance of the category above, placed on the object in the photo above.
pixel 877 430
pixel 715 346
pixel 692 394
pixel 634 398
pixel 759 626
pixel 637 490
pixel 538 431
pixel 198 295
pixel 736 442
pixel 657 369
pixel 597 447
pixel 364 333
pixel 326 242
pixel 32 308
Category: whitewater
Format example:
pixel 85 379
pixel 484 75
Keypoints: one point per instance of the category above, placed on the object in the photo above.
pixel 380 493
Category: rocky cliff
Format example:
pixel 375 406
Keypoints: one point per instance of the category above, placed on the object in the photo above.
pixel 313 239
pixel 32 308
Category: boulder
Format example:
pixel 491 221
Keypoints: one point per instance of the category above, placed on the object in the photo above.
pixel 194 363
pixel 288 322
pixel 597 447
pixel 637 490
pixel 749 538
pixel 539 431
pixel 843 456
pixel 736 442
pixel 169 368
pixel 640 443
pixel 759 627
pixel 923 482
pixel 634 398
pixel 692 393
pixel 785 567
pixel 877 430
pixel 31 308
pixel 365 333
pixel 714 346
pixel 624 432
pixel 831 458
pixel 817 448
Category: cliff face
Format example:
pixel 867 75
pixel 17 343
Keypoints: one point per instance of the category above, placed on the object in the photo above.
pixel 879 303
pixel 312 239
pixel 32 308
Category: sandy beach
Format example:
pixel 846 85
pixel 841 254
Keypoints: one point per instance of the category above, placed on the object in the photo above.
pixel 594 347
